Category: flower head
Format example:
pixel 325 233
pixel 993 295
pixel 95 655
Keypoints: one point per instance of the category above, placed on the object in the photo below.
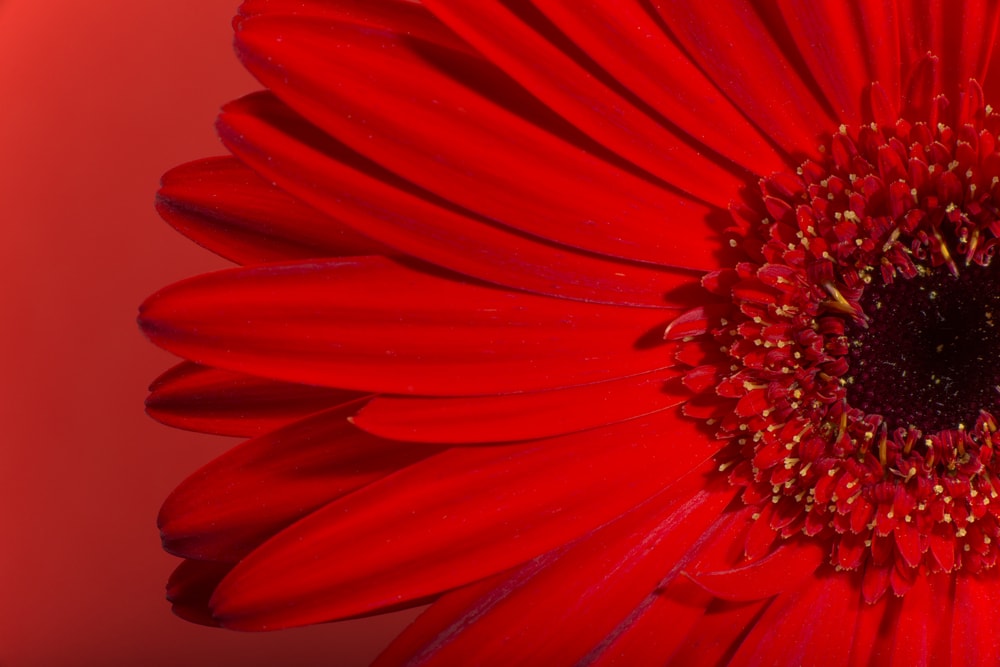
pixel 625 333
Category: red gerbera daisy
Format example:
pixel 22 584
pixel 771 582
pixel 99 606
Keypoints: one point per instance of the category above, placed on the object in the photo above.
pixel 625 332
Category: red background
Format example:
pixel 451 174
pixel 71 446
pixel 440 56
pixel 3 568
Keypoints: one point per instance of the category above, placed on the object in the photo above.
pixel 97 99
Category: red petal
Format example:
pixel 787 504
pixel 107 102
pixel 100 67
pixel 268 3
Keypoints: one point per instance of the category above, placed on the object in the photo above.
pixel 210 400
pixel 911 633
pixel 783 568
pixel 975 640
pixel 372 324
pixel 284 148
pixel 459 516
pixel 519 43
pixel 962 35
pixel 839 44
pixel 190 587
pixel 656 70
pixel 240 499
pixel 716 636
pixel 737 49
pixel 810 625
pixel 606 575
pixel 223 206
pixel 397 16
pixel 459 128
pixel 518 416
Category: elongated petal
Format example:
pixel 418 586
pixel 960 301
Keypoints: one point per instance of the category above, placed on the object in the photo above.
pixel 230 506
pixel 210 400
pixel 660 624
pixel 404 17
pixel 518 39
pixel 458 506
pixel 974 640
pixel 662 76
pixel 605 575
pixel 519 416
pixel 832 40
pixel 374 325
pixel 484 145
pixel 190 587
pixel 806 626
pixel 962 35
pixel 783 568
pixel 266 135
pixel 747 63
pixel 227 208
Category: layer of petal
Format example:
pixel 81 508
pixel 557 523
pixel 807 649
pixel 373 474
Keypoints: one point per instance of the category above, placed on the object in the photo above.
pixel 210 400
pixel 269 137
pixel 481 143
pixel 225 207
pixel 375 325
pixel 731 42
pixel 595 583
pixel 630 46
pixel 456 517
pixel 519 416
pixel 229 507
pixel 523 43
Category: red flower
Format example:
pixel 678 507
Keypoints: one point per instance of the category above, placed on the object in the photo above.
pixel 464 229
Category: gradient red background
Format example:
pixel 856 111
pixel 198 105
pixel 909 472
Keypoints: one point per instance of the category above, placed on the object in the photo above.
pixel 97 99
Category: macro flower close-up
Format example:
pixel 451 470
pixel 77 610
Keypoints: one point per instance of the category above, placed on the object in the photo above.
pixel 620 332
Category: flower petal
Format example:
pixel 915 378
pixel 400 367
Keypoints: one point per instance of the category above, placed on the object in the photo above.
pixel 961 34
pixel 270 138
pixel 783 568
pixel 403 332
pixel 595 583
pixel 210 400
pixel 809 625
pixel 230 506
pixel 747 63
pixel 225 207
pixel 974 639
pixel 467 513
pixel 842 49
pixel 483 145
pixel 522 42
pixel 518 416
pixel 190 587
pixel 662 76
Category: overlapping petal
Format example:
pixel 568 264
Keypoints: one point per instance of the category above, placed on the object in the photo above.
pixel 465 229
pixel 283 147
pixel 211 400
pixel 459 505
pixel 404 332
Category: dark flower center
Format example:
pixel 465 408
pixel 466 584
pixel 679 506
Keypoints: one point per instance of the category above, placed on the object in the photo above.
pixel 852 349
pixel 928 358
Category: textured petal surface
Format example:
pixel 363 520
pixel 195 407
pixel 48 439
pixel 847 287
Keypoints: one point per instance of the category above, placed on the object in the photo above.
pixel 484 145
pixel 283 147
pixel 227 208
pixel 747 62
pixel 229 507
pixel 372 324
pixel 459 505
pixel 209 400
pixel 661 75
pixel 521 41
pixel 519 416
pixel 805 626
pixel 594 583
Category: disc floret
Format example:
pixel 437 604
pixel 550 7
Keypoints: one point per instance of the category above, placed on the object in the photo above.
pixel 817 452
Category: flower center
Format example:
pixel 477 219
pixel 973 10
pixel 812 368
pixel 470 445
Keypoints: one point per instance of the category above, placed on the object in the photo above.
pixel 852 350
pixel 927 359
